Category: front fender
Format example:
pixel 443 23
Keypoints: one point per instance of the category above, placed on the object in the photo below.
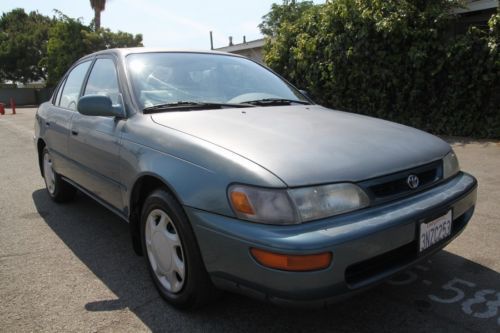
pixel 196 171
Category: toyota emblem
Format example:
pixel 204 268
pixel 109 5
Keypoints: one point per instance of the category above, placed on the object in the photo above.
pixel 413 181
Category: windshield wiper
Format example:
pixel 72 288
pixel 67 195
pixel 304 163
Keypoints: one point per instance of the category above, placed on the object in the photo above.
pixel 192 105
pixel 275 101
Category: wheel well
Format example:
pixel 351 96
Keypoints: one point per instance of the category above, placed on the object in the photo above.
pixel 142 187
pixel 40 145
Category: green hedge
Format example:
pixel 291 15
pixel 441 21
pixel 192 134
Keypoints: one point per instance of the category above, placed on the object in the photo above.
pixel 394 59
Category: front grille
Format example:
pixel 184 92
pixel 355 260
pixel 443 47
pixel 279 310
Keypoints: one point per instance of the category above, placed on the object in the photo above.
pixel 394 186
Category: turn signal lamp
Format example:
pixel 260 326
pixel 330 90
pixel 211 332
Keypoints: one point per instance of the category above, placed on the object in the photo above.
pixel 288 262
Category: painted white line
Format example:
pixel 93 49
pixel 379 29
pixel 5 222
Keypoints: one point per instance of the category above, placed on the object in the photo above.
pixel 479 297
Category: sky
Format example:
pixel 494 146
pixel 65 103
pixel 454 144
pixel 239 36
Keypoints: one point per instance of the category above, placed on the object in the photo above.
pixel 163 23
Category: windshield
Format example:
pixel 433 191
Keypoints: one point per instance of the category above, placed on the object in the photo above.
pixel 162 78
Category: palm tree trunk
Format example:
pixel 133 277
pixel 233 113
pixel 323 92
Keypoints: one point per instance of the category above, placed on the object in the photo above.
pixel 97 18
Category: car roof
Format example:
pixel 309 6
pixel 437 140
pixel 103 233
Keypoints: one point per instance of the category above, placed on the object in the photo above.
pixel 123 52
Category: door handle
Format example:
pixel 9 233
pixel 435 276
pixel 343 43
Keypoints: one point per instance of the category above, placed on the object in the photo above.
pixel 73 132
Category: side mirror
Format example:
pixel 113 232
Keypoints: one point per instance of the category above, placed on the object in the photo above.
pixel 99 105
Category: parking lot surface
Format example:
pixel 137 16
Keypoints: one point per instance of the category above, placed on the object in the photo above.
pixel 71 267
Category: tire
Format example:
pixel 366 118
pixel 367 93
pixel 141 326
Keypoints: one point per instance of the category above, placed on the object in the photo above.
pixel 172 254
pixel 57 188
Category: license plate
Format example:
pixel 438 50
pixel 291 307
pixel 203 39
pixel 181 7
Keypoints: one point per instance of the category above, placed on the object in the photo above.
pixel 434 231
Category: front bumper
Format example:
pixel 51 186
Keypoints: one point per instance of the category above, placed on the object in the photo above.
pixel 368 245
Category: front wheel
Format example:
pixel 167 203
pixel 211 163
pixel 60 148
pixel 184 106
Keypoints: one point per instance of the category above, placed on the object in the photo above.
pixel 172 253
pixel 58 189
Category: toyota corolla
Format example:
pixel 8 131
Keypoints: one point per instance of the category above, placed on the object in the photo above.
pixel 231 178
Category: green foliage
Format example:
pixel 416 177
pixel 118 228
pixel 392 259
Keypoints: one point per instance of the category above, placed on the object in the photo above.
pixel 65 46
pixel 23 39
pixel 106 39
pixel 70 39
pixel 290 11
pixel 393 59
pixel 34 47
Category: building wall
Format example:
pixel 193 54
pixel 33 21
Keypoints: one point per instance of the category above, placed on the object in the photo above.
pixel 252 49
pixel 254 54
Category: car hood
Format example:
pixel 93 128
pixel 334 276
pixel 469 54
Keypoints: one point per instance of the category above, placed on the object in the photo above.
pixel 305 145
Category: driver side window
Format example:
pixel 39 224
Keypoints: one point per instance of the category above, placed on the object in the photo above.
pixel 71 90
pixel 103 80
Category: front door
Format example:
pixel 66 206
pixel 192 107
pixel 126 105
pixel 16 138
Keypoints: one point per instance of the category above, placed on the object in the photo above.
pixel 94 142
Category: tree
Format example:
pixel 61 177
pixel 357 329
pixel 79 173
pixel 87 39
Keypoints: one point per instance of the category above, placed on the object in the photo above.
pixel 23 45
pixel 35 47
pixel 70 39
pixel 289 11
pixel 98 6
pixel 65 46
pixel 106 39
pixel 393 59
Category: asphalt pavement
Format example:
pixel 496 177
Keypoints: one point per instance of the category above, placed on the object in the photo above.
pixel 70 267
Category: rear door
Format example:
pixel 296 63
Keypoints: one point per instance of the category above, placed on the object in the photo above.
pixel 94 142
pixel 57 120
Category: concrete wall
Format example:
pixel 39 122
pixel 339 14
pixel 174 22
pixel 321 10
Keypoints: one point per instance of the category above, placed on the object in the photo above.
pixel 25 96
pixel 254 54
pixel 251 49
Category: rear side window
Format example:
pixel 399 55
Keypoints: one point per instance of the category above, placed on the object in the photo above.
pixel 71 90
pixel 103 80
pixel 59 93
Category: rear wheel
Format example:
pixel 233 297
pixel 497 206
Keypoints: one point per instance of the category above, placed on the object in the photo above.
pixel 58 189
pixel 172 253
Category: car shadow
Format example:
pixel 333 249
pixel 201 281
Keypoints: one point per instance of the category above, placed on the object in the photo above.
pixel 101 241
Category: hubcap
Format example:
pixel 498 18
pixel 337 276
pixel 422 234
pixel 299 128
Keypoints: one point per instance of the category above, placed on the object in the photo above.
pixel 48 173
pixel 165 252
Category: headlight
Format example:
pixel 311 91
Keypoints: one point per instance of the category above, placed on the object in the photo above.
pixel 322 201
pixel 262 205
pixel 450 165
pixel 296 205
